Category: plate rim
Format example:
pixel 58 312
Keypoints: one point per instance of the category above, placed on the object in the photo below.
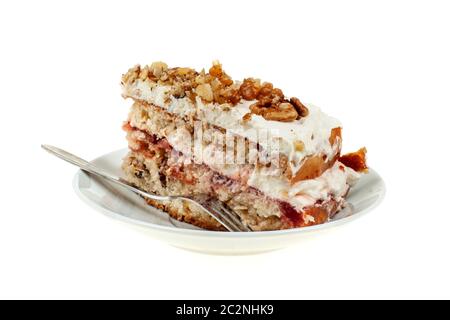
pixel 211 233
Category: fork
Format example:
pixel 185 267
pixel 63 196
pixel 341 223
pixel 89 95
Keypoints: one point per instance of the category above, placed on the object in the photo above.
pixel 215 208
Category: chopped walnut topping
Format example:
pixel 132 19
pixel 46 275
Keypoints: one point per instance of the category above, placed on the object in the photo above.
pixel 266 90
pixel 300 107
pixel 299 145
pixel 257 108
pixel 247 117
pixel 216 86
pixel 131 75
pixel 183 71
pixel 269 96
pixel 143 75
pixel 284 112
pixel 178 92
pixel 232 96
pixel 157 68
pixel 249 89
pixel 205 92
pixel 277 93
pixel 201 77
pixel 216 69
pixel 217 72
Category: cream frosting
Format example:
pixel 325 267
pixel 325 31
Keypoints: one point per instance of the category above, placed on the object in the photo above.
pixel 333 182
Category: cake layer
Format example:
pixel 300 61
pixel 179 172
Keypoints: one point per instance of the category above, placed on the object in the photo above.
pixel 205 143
pixel 159 175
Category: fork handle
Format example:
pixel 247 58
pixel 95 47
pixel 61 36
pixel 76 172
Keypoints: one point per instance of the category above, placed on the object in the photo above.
pixel 89 167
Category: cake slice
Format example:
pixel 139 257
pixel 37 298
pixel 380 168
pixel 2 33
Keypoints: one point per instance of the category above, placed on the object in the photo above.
pixel 273 160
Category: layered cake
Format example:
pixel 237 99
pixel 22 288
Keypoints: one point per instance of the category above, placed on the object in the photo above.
pixel 273 160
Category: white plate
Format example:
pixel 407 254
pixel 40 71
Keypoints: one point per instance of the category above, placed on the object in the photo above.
pixel 126 206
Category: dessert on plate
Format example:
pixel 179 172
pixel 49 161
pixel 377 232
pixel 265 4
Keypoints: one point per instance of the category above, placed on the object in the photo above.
pixel 273 160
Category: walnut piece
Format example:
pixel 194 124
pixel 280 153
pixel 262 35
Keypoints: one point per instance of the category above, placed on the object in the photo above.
pixel 300 107
pixel 249 89
pixel 157 68
pixel 266 90
pixel 216 69
pixel 183 71
pixel 284 112
pixel 143 75
pixel 299 145
pixel 205 92
pixel 247 117
pixel 257 108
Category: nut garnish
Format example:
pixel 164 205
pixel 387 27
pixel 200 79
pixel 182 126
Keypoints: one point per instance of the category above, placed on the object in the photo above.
pixel 299 145
pixel 183 71
pixel 216 69
pixel 247 117
pixel 205 92
pixel 284 112
pixel 266 90
pixel 217 72
pixel 249 89
pixel 300 107
pixel 143 75
pixel 257 108
pixel 157 68
pixel 215 86
pixel 131 75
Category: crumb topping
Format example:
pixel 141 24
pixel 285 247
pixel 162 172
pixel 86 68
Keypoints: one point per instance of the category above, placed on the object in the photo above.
pixel 216 86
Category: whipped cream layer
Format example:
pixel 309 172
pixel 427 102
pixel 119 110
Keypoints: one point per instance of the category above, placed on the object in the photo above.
pixel 334 182
pixel 313 130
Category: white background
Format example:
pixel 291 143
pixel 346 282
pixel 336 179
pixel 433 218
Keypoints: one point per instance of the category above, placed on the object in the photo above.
pixel 381 67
